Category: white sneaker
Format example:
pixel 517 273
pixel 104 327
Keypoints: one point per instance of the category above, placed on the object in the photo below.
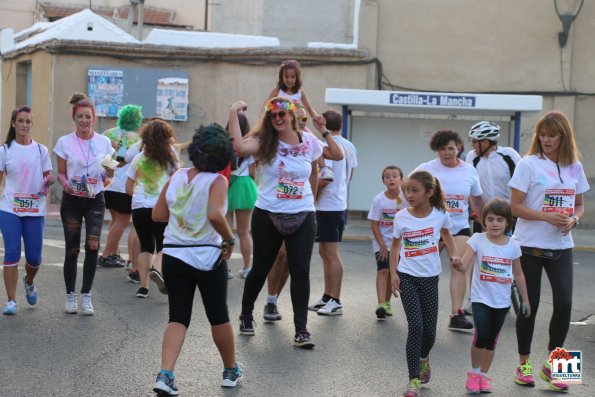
pixel 86 304
pixel 71 305
pixel 326 174
pixel 332 308
pixel 229 274
pixel 318 305
pixel 243 273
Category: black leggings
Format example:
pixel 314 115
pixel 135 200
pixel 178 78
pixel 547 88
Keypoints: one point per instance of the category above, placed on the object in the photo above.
pixel 420 301
pixel 150 234
pixel 181 281
pixel 559 272
pixel 72 211
pixel 267 241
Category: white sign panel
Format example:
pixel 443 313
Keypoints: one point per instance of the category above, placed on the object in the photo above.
pixel 172 99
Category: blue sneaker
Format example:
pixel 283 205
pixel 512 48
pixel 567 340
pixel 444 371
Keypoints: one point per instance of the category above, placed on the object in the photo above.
pixel 231 376
pixel 30 292
pixel 165 386
pixel 10 308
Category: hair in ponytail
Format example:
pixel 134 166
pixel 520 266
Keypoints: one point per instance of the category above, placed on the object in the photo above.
pixel 11 136
pixel 430 182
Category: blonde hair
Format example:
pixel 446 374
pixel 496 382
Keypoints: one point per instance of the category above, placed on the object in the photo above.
pixel 556 122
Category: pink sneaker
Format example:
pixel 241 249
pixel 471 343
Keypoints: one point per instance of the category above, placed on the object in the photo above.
pixel 524 374
pixel 546 375
pixel 472 384
pixel 484 384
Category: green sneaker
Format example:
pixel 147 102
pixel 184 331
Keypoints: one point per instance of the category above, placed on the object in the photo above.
pixel 413 388
pixel 424 370
pixel 388 308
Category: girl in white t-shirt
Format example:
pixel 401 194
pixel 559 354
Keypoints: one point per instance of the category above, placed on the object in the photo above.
pixel 384 207
pixel 26 165
pixel 547 197
pixel 415 266
pixel 284 210
pixel 497 261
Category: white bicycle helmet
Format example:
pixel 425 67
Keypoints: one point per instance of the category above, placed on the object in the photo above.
pixel 485 130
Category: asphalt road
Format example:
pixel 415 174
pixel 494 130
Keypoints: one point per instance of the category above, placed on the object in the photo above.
pixel 116 352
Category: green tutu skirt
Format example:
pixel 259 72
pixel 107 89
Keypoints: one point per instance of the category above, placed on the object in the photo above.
pixel 242 193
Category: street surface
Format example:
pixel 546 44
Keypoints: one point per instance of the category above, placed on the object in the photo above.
pixel 117 352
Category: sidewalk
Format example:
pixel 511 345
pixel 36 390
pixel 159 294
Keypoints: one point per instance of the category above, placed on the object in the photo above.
pixel 359 229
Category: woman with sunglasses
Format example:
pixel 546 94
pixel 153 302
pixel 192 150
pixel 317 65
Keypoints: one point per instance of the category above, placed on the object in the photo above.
pixel 83 178
pixel 284 209
pixel 28 171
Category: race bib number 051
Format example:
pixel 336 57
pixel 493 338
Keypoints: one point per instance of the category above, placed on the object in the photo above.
pixel 24 202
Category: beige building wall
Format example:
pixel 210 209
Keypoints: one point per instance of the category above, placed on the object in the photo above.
pixel 16 14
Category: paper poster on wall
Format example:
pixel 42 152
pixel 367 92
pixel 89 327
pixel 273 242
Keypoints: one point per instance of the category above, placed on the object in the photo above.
pixel 172 98
pixel 106 90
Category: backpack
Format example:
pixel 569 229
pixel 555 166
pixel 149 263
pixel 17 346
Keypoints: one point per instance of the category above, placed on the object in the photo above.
pixel 509 161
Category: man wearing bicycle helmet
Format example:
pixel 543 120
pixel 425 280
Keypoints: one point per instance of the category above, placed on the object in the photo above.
pixel 495 164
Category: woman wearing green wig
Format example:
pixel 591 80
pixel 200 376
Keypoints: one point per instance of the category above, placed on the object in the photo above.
pixel 116 200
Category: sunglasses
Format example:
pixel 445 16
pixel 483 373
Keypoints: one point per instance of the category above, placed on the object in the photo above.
pixel 281 114
pixel 304 118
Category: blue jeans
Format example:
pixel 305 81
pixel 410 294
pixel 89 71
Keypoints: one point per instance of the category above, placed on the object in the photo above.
pixel 488 323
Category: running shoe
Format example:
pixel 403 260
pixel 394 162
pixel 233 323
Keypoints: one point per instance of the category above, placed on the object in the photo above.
pixel 87 304
pixel 460 322
pixel 142 292
pixel 111 261
pixel 318 305
pixel 10 308
pixel 554 384
pixel 30 292
pixel 326 174
pixel 332 308
pixel 133 277
pixel 472 384
pixel 243 273
pixel 413 388
pixel 157 278
pixel 485 384
pixel 425 372
pixel 118 259
pixel 271 313
pixel 165 386
pixel 246 324
pixel 229 274
pixel 381 312
pixel 303 339
pixel 231 376
pixel 71 305
pixel 524 374
pixel 388 308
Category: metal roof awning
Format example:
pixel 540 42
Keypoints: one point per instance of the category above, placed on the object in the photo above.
pixel 435 103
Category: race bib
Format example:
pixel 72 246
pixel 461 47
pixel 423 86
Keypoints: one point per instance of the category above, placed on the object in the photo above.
pixel 288 189
pixel 454 203
pixel 83 186
pixel 495 270
pixel 559 200
pixel 387 217
pixel 25 202
pixel 419 242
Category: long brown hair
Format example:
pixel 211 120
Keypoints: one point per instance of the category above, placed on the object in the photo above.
pixel 430 182
pixel 290 64
pixel 12 133
pixel 556 122
pixel 266 133
pixel 156 136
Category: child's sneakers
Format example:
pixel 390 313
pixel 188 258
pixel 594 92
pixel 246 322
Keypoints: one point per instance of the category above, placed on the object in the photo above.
pixel 231 376
pixel 473 382
pixel 30 292
pixel 524 374
pixel 485 385
pixel 165 385
pixel 326 174
pixel 413 388
pixel 554 384
pixel 388 308
pixel 425 372
pixel 381 312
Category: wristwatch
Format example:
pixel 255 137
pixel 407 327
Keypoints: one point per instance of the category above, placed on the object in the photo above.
pixel 325 133
pixel 225 244
pixel 577 222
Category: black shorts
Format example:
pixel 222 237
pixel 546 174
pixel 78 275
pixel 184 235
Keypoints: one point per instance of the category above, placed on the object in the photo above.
pixel 330 226
pixel 119 202
pixel 385 264
pixel 463 232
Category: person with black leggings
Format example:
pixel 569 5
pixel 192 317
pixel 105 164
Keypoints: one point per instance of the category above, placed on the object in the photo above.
pixel 285 206
pixel 547 197
pixel 79 156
